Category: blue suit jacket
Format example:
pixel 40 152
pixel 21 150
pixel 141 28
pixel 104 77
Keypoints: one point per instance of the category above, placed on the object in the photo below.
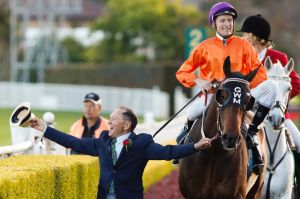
pixel 128 171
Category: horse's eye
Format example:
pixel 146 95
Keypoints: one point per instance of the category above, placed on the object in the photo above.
pixel 220 97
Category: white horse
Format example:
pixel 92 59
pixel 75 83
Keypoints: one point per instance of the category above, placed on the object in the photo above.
pixel 280 168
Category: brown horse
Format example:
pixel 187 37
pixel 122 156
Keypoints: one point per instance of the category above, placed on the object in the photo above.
pixel 221 171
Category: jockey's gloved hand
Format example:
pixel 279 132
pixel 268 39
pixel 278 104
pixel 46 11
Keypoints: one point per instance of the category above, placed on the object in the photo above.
pixel 204 85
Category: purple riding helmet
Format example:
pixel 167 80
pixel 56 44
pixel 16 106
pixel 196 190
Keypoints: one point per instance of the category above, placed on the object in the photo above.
pixel 220 9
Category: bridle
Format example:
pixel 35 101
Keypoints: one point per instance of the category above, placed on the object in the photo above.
pixel 239 101
pixel 221 106
pixel 277 103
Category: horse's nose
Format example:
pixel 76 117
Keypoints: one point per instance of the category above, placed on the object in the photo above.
pixel 276 121
pixel 229 140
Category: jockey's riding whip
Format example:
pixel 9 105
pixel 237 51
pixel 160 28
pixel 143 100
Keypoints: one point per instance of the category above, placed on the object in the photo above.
pixel 214 84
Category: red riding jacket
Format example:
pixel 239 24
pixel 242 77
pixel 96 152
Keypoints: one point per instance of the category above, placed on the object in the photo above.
pixel 283 58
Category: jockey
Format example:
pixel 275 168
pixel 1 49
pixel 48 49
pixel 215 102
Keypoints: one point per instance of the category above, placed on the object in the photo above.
pixel 257 30
pixel 209 56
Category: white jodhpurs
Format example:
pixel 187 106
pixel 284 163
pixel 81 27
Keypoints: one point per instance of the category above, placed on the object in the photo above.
pixel 265 93
pixel 197 107
pixel 294 132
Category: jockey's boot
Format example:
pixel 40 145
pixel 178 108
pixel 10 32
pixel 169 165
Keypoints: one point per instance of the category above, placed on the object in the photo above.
pixel 297 173
pixel 258 118
pixel 252 140
pixel 180 138
pixel 251 137
pixel 187 127
pixel 258 164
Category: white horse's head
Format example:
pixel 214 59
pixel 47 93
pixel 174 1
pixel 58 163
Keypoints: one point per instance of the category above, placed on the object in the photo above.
pixel 280 76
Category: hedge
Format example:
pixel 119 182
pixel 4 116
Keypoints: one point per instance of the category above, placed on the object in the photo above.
pixel 65 177
pixel 33 176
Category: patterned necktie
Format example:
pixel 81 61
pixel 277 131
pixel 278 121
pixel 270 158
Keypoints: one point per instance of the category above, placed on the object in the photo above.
pixel 114 156
pixel 113 151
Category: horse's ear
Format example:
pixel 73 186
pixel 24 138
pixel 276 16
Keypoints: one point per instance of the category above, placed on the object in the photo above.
pixel 226 66
pixel 268 63
pixel 289 66
pixel 252 74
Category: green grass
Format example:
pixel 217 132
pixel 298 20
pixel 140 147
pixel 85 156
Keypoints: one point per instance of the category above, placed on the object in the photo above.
pixel 63 120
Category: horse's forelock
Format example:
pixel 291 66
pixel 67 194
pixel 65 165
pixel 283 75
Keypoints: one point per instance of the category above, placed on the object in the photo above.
pixel 277 70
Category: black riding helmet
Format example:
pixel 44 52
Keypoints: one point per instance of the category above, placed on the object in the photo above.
pixel 258 26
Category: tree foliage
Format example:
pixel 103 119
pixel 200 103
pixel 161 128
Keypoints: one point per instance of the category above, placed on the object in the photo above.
pixel 137 26
pixel 75 50
pixel 4 22
pixel 4 40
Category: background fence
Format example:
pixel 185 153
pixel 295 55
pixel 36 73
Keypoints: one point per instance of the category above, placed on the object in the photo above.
pixel 66 97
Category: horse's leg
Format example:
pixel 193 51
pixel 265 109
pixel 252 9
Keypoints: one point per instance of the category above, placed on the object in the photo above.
pixel 182 180
pixel 297 174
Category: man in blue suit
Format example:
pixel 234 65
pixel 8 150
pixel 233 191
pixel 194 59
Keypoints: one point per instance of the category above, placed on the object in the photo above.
pixel 123 153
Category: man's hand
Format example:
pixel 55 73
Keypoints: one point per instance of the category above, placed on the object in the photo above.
pixel 204 85
pixel 38 124
pixel 202 144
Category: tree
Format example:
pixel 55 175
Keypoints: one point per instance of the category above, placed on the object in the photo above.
pixel 75 50
pixel 133 28
pixel 4 40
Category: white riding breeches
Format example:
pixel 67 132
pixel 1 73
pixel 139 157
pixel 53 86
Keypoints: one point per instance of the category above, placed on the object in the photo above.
pixel 264 93
pixel 197 107
pixel 294 132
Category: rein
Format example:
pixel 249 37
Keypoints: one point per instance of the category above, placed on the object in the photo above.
pixel 272 168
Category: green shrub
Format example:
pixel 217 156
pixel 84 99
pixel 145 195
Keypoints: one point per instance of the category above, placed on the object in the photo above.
pixel 48 176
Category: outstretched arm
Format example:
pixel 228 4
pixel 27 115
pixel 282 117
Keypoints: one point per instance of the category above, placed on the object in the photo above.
pixel 156 151
pixel 86 145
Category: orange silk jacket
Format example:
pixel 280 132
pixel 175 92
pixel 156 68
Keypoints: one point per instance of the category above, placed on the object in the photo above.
pixel 209 57
pixel 77 128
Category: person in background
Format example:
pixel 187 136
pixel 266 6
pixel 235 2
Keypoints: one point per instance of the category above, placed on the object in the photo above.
pixel 123 154
pixel 209 55
pixel 91 124
pixel 257 30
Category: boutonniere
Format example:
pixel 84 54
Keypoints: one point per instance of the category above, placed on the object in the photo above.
pixel 127 143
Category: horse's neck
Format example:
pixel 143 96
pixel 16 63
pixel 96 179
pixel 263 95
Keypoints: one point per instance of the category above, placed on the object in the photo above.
pixel 272 136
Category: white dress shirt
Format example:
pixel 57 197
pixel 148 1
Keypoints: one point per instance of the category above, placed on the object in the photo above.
pixel 119 143
pixel 262 54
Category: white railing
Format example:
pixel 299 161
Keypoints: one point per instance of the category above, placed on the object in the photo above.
pixel 68 97
pixel 13 149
